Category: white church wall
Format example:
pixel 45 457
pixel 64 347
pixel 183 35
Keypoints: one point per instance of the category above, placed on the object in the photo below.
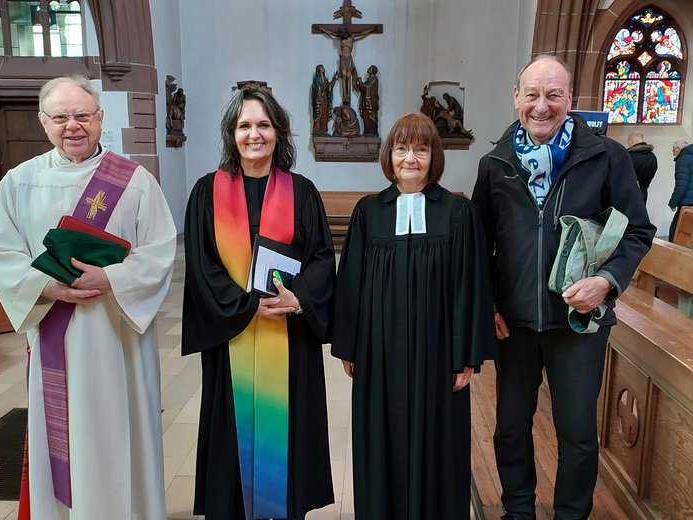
pixel 115 118
pixel 663 137
pixel 167 54
pixel 481 43
pixel 91 42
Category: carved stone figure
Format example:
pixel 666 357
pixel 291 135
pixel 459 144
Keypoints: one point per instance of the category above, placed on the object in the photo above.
pixel 321 99
pixel 346 124
pixel 175 113
pixel 369 101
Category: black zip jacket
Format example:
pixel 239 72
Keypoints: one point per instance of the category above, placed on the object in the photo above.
pixel 523 239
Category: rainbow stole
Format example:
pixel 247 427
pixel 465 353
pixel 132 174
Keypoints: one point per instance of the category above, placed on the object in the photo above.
pixel 260 354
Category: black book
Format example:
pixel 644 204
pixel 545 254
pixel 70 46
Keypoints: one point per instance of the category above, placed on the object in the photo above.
pixel 271 259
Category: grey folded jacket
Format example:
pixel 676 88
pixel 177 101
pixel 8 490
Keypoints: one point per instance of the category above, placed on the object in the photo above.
pixel 585 245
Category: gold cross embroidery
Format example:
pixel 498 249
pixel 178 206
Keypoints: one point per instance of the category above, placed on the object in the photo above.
pixel 96 204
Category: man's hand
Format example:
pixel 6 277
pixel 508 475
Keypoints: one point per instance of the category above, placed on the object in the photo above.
pixel 587 294
pixel 56 291
pixel 502 330
pixel 92 277
pixel 462 379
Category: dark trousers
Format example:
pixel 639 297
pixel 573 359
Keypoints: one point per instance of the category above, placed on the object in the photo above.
pixel 574 365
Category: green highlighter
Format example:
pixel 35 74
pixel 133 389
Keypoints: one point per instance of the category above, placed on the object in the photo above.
pixel 277 276
pixel 282 277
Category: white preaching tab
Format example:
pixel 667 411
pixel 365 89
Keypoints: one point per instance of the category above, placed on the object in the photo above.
pixel 411 214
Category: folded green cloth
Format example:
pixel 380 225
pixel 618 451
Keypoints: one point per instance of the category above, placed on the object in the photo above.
pixel 64 244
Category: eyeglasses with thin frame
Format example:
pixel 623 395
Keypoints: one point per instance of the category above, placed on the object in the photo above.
pixel 421 151
pixel 83 118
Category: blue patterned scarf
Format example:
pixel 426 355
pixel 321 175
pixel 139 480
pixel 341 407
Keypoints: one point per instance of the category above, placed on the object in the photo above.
pixel 542 161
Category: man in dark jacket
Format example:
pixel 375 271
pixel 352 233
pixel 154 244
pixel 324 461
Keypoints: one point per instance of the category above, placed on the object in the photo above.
pixel 546 165
pixel 683 182
pixel 644 161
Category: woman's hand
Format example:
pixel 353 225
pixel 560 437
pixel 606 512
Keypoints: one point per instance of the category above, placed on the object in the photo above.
pixel 348 368
pixel 284 303
pixel 502 330
pixel 461 379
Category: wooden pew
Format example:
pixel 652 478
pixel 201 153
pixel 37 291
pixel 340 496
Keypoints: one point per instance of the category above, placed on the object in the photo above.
pixel 339 205
pixel 646 405
pixel 683 235
pixel 665 273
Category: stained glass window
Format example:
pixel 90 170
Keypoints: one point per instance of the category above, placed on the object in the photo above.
pixel 644 70
pixel 624 43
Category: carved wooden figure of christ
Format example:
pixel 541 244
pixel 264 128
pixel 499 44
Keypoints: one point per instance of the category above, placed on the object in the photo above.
pixel 347 33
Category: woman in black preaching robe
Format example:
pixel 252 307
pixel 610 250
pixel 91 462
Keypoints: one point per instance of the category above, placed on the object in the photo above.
pixel 253 192
pixel 413 320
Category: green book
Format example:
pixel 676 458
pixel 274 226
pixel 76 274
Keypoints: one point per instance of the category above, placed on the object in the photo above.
pixel 64 244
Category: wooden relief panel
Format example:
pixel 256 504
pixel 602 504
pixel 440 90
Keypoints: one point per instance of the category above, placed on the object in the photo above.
pixel 671 483
pixel 625 419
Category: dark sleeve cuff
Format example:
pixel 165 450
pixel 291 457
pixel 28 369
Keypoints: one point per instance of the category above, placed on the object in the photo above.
pixel 312 319
pixel 610 278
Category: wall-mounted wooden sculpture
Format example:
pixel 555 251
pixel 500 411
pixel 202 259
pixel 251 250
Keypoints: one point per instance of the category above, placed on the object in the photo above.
pixel 449 119
pixel 349 140
pixel 175 114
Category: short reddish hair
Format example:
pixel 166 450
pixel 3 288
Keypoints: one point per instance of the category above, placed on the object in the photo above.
pixel 413 129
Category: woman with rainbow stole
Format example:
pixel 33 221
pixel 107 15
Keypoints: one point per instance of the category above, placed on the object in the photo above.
pixel 263 448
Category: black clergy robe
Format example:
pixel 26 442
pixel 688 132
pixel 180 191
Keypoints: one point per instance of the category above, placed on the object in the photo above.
pixel 410 311
pixel 215 309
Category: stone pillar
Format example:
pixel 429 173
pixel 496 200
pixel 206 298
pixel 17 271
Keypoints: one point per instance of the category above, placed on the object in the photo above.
pixel 126 48
pixel 565 28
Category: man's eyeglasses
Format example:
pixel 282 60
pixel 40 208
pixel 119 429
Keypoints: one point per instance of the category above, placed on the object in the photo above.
pixel 83 118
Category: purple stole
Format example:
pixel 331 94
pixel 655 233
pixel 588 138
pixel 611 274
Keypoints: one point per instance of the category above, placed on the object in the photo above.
pixel 95 206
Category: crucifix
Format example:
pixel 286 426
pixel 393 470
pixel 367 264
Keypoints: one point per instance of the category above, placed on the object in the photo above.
pixel 347 33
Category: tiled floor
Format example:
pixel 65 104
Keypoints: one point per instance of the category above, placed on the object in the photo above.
pixel 180 393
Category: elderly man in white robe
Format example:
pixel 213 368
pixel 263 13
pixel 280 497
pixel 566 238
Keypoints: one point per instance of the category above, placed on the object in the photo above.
pixel 110 463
